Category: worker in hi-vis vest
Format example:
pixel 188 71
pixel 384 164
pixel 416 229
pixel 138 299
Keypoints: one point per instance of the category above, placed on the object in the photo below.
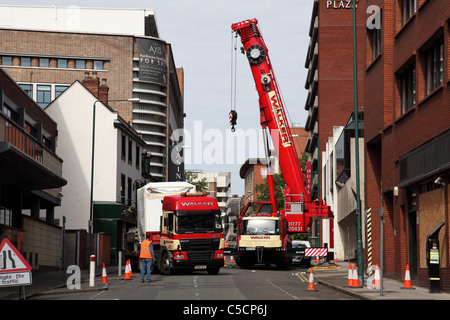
pixel 146 257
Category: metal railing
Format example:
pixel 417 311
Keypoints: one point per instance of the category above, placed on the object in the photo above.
pixel 23 141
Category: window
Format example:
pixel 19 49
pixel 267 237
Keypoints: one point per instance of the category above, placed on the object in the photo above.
pixel 6 216
pixel 434 68
pixel 122 189
pixel 25 62
pixel 7 61
pixel 260 227
pixel 59 90
pixel 130 151
pixel 28 88
pixel 124 147
pixel 62 63
pixel 98 65
pixel 138 155
pixel 408 7
pixel 48 142
pixel 43 95
pixel 44 62
pixel 374 32
pixel 408 89
pixel 80 64
pixel 130 182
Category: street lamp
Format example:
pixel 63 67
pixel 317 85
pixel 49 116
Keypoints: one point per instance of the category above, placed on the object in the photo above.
pixel 359 248
pixel 91 202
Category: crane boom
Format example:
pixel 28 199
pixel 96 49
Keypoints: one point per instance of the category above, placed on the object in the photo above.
pixel 272 113
pixel 273 117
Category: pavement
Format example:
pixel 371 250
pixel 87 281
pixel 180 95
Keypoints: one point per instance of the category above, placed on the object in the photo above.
pixel 334 275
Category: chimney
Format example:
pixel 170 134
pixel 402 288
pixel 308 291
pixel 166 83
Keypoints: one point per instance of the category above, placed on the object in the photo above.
pixel 103 91
pixel 91 83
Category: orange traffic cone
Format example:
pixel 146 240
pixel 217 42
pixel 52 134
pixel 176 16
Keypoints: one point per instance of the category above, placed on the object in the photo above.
pixel 104 277
pixel 350 276
pixel 377 281
pixel 311 286
pixel 127 272
pixel 335 257
pixel 131 271
pixel 407 284
pixel 232 259
pixel 317 259
pixel 355 282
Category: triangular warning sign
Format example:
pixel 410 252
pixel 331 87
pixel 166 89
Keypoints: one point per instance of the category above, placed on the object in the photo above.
pixel 10 258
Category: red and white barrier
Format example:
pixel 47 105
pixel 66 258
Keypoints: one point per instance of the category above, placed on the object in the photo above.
pixel 316 252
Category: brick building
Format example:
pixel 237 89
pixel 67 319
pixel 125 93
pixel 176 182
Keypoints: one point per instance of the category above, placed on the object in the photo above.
pixel 46 49
pixel 407 132
pixel 330 100
pixel 329 82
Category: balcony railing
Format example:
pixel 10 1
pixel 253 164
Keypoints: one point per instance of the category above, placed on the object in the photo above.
pixel 23 141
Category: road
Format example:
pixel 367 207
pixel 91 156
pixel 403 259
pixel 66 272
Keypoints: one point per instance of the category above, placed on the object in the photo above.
pixel 232 284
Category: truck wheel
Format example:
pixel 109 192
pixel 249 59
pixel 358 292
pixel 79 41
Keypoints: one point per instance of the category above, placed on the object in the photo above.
pixel 241 263
pixel 165 264
pixel 154 268
pixel 283 265
pixel 213 271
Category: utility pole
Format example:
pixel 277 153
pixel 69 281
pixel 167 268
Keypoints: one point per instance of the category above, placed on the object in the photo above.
pixel 359 251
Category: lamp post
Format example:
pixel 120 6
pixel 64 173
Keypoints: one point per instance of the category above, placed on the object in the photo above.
pixel 91 202
pixel 359 249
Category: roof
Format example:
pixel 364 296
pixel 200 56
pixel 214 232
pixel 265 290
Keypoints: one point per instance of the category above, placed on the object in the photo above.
pixel 120 21
pixel 248 163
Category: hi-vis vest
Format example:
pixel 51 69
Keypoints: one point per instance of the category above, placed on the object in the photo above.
pixel 145 250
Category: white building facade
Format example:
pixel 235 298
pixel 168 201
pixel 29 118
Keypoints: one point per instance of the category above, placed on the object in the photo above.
pixel 339 191
pixel 117 155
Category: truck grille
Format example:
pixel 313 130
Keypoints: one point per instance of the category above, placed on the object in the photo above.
pixel 200 257
pixel 200 251
pixel 199 244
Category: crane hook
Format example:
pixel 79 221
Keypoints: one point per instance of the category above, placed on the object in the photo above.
pixel 233 118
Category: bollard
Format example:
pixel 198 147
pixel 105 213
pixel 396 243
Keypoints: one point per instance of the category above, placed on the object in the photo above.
pixel 119 269
pixel 92 272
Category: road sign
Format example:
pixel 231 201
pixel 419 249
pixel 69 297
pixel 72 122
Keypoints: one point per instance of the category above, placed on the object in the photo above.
pixel 14 269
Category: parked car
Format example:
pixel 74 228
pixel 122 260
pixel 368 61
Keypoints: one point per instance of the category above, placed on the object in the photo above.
pixel 301 260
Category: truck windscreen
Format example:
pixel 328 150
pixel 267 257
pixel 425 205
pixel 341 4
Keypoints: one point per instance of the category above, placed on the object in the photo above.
pixel 260 227
pixel 208 221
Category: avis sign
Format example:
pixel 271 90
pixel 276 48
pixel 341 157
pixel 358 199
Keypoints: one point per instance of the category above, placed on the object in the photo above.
pixel 14 269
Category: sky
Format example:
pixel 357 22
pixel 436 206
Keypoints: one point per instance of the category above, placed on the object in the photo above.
pixel 202 44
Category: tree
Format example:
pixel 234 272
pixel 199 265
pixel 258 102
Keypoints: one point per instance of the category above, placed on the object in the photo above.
pixel 303 159
pixel 263 189
pixel 192 178
pixel 278 182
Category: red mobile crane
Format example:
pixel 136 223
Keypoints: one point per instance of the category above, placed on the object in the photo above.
pixel 300 209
